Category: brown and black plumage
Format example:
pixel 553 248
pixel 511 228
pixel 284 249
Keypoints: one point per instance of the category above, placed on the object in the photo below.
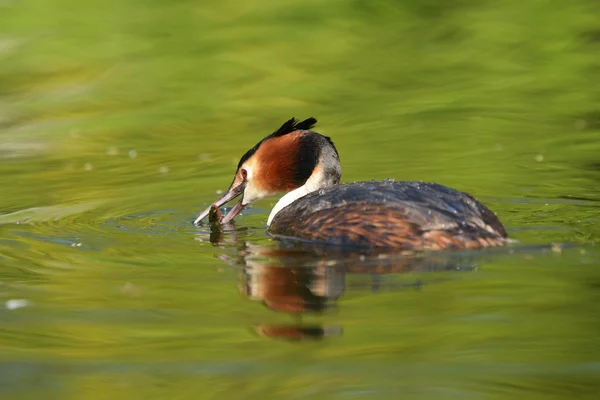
pixel 389 214
pixel 317 208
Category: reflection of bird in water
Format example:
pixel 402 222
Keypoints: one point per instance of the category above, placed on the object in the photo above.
pixel 297 282
pixel 317 208
pixel 287 284
pixel 294 289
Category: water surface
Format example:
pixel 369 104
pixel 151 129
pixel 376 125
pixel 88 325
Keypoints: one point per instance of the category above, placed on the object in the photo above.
pixel 119 121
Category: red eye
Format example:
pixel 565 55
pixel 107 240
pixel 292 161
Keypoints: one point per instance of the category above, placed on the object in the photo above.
pixel 244 173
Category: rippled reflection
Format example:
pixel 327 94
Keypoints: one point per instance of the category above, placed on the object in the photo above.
pixel 116 120
pixel 298 279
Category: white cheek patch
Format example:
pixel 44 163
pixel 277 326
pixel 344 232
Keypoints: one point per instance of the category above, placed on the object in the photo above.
pixel 249 170
pixel 253 193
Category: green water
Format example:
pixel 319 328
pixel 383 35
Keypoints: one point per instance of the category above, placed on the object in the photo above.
pixel 120 120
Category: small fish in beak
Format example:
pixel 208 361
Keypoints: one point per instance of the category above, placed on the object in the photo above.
pixel 215 217
pixel 232 193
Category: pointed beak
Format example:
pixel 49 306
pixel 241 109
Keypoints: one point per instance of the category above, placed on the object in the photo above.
pixel 233 212
pixel 231 194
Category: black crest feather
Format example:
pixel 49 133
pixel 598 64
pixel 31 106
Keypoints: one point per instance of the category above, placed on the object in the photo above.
pixel 295 125
pixel 288 126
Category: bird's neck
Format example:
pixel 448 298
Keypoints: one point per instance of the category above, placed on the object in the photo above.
pixel 315 182
pixel 327 173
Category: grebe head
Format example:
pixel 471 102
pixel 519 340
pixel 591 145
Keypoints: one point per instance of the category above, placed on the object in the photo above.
pixel 292 159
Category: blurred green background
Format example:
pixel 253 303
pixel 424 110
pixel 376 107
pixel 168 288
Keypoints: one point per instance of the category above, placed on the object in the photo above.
pixel 119 120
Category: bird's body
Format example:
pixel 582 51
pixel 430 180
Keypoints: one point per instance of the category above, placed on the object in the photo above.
pixel 391 214
pixel 378 214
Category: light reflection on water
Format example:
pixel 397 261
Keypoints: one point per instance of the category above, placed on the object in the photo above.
pixel 451 324
pixel 119 122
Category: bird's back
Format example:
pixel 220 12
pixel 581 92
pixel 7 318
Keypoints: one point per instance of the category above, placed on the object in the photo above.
pixel 391 214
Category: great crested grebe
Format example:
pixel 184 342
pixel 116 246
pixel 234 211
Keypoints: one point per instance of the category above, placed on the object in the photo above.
pixel 383 214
